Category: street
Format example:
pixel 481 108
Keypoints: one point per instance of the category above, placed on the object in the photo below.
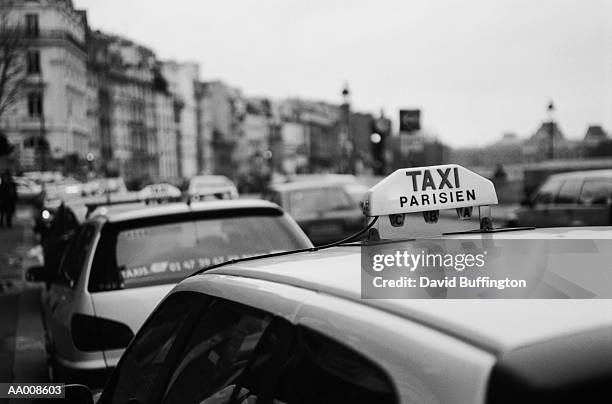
pixel 22 347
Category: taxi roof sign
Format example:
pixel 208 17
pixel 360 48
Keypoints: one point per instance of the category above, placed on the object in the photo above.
pixel 420 189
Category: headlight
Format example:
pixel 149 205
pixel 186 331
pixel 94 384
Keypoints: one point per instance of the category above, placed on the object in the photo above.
pixel 46 214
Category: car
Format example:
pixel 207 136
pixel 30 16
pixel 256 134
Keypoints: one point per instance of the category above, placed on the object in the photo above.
pixel 120 263
pixel 324 210
pixel 160 192
pixel 64 217
pixel 296 327
pixel 81 205
pixel 103 186
pixel 579 198
pixel 351 184
pixel 203 187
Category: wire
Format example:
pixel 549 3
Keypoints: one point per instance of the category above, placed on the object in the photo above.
pixel 281 253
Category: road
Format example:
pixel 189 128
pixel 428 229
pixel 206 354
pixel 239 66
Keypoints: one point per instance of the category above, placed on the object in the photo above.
pixel 22 348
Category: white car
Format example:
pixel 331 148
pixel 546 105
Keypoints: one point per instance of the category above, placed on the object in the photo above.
pixel 119 265
pixel 160 192
pixel 203 187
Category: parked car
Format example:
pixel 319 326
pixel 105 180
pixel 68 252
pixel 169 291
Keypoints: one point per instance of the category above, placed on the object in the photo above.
pixel 160 192
pixel 294 329
pixel 203 187
pixel 580 198
pixel 323 209
pixel 119 265
pixel 103 186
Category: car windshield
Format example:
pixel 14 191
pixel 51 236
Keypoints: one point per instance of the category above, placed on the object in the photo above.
pixel 318 200
pixel 166 253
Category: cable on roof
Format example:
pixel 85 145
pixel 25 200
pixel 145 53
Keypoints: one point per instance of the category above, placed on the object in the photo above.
pixel 281 253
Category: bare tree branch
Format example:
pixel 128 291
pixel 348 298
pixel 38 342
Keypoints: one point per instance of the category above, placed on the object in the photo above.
pixel 13 47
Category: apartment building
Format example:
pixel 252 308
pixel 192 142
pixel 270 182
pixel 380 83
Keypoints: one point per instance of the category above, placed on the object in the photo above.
pixel 50 120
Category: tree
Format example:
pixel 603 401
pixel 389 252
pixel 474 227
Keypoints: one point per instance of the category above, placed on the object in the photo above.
pixel 13 47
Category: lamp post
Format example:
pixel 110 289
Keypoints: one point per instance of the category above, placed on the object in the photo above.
pixel 41 143
pixel 551 130
pixel 346 130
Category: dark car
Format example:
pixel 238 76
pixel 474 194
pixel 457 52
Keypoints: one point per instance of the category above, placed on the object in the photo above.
pixel 324 210
pixel 580 198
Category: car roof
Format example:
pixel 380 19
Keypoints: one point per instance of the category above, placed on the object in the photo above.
pixel 498 325
pixel 306 184
pixel 583 174
pixel 148 211
pixel 210 179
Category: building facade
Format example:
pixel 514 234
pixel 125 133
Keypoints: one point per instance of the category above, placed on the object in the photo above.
pixel 50 123
pixel 125 77
pixel 182 80
pixel 222 112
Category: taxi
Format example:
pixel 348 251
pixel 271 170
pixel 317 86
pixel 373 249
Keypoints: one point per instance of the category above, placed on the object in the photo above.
pixel 298 327
pixel 122 260
pixel 205 187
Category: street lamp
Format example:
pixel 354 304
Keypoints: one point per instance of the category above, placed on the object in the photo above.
pixel 551 129
pixel 346 112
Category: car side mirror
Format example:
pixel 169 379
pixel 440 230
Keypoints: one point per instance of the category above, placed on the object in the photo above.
pixel 73 394
pixel 38 273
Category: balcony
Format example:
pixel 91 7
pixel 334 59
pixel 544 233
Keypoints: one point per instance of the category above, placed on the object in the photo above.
pixel 44 35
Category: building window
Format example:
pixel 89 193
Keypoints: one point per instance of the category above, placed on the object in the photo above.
pixel 32 25
pixel 33 62
pixel 35 104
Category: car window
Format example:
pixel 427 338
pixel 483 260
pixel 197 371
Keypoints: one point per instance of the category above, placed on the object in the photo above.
pixel 215 356
pixel 166 253
pixel 319 200
pixel 569 191
pixel 547 192
pixel 75 256
pixel 304 366
pixel 140 366
pixel 596 191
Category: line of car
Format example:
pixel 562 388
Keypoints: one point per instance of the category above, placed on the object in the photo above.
pixel 108 260
pixel 294 328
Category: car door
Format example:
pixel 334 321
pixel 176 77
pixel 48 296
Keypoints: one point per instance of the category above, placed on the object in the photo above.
pixel 595 202
pixel 63 292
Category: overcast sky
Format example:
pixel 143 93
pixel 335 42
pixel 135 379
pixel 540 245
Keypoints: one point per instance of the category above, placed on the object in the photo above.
pixel 476 68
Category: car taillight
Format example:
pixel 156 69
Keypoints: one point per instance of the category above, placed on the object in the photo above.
pixel 91 333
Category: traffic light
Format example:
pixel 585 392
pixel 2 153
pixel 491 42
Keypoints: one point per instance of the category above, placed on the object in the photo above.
pixel 381 129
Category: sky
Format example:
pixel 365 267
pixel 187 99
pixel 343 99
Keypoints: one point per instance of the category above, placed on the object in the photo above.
pixel 476 68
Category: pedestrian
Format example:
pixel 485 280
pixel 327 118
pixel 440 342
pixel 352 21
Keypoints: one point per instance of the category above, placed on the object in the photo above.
pixel 8 199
